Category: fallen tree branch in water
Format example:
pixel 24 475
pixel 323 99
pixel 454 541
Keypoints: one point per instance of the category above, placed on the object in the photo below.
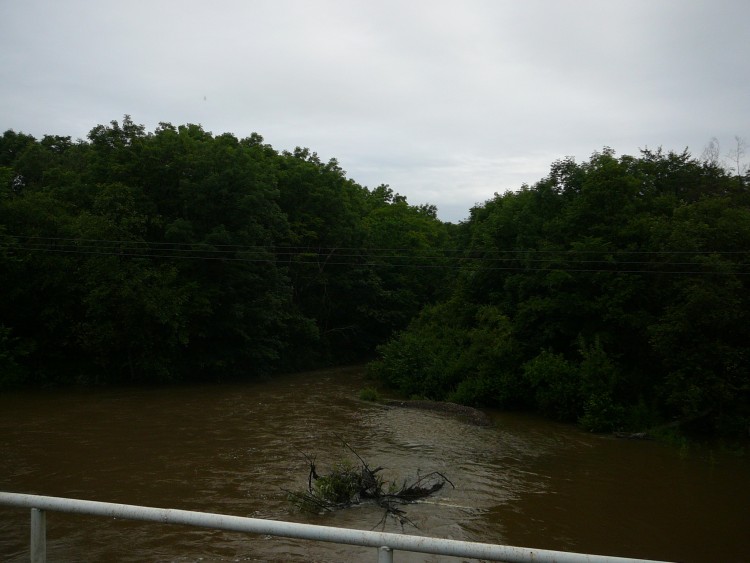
pixel 349 484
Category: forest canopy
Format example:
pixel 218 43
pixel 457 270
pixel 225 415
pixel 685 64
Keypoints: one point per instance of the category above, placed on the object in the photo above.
pixel 137 256
pixel 612 293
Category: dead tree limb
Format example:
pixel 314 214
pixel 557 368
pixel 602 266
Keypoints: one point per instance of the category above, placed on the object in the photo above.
pixel 347 485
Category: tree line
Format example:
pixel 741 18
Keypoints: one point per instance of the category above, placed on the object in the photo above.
pixel 612 293
pixel 135 256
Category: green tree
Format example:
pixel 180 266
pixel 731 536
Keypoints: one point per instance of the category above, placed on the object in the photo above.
pixel 623 285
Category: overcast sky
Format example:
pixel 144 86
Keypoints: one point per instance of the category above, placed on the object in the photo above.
pixel 447 102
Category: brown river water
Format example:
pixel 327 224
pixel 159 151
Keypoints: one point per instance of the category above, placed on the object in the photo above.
pixel 235 449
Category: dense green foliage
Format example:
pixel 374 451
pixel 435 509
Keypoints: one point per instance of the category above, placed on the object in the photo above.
pixel 148 257
pixel 615 293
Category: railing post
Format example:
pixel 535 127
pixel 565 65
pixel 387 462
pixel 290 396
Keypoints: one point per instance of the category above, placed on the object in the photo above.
pixel 385 554
pixel 38 536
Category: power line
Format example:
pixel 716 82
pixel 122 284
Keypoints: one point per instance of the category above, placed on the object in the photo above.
pixel 291 249
pixel 363 259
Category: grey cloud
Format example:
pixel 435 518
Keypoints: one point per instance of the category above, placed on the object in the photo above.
pixel 448 102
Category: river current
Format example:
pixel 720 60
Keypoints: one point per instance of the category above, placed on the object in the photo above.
pixel 236 448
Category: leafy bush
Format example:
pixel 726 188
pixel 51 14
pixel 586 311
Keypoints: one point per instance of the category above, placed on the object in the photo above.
pixel 555 383
pixel 369 394
pixel 476 391
pixel 601 414
pixel 10 370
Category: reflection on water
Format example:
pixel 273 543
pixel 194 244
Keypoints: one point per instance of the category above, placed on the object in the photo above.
pixel 235 449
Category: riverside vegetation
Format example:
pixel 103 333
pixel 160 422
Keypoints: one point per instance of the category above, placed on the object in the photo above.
pixel 613 292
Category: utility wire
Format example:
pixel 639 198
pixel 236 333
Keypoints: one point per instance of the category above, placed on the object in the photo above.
pixel 366 260
pixel 292 248
pixel 321 258
pixel 308 254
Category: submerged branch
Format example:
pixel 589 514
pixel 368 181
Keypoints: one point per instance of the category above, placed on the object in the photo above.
pixel 348 485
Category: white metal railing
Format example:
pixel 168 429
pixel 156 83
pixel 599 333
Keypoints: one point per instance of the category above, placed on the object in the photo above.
pixel 386 543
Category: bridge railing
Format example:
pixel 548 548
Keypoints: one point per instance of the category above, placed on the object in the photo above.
pixel 385 543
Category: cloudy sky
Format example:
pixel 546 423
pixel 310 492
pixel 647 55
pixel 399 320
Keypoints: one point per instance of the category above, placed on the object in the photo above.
pixel 447 102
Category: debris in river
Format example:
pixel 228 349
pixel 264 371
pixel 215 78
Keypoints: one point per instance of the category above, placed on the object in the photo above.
pixel 348 484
